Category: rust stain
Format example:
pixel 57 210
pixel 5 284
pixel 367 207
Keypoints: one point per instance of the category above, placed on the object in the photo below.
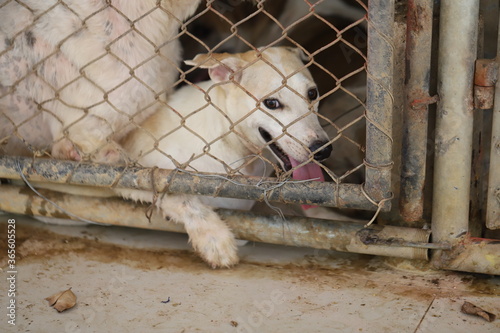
pixel 424 100
pixel 486 72
pixel 484 97
pixel 416 15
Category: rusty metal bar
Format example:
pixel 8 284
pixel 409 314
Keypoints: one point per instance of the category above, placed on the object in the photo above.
pixel 474 255
pixel 177 181
pixel 379 101
pixel 493 203
pixel 452 163
pixel 416 112
pixel 485 77
pixel 471 255
pixel 342 236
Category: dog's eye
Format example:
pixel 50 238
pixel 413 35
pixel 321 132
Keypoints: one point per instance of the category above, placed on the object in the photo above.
pixel 312 94
pixel 272 103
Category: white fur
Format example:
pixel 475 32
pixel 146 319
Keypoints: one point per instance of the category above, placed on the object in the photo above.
pixel 74 62
pixel 221 136
pixel 212 127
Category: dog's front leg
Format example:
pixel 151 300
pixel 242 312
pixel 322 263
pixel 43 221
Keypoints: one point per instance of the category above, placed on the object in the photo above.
pixel 209 235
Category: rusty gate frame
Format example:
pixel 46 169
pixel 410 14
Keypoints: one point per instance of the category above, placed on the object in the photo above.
pixel 451 246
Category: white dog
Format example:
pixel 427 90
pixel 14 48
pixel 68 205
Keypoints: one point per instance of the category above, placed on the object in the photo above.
pixel 254 100
pixel 86 69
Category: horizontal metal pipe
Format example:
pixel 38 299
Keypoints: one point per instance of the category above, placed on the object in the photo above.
pixel 293 231
pixel 473 255
pixel 379 100
pixel 178 181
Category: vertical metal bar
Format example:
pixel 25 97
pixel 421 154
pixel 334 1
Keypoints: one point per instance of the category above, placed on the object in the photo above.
pixel 493 204
pixel 414 152
pixel 485 77
pixel 379 100
pixel 452 164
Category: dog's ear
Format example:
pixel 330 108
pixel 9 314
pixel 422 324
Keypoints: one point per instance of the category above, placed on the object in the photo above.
pixel 300 53
pixel 221 66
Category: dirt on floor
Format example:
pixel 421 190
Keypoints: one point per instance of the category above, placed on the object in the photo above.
pixel 127 272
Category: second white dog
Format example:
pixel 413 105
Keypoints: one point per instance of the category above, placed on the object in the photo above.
pixel 254 101
pixel 75 75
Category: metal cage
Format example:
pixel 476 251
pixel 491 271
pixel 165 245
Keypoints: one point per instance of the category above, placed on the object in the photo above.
pixel 410 76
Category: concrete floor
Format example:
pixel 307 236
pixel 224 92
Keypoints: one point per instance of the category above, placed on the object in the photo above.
pixel 123 278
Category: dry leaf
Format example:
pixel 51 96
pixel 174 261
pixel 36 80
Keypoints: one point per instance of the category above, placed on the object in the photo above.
pixel 63 300
pixel 470 308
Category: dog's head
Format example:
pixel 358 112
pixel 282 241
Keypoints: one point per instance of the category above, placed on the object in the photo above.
pixel 272 100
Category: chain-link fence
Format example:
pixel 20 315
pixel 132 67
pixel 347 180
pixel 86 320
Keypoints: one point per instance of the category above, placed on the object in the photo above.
pixel 224 94
pixel 78 80
pixel 285 103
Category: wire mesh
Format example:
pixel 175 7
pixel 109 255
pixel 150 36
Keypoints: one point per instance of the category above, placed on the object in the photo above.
pixel 78 81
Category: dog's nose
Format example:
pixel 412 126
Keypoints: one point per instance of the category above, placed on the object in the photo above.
pixel 320 155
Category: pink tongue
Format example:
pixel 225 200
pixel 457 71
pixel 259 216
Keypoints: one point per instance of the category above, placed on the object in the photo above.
pixel 310 171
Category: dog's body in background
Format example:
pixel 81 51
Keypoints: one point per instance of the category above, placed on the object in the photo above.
pixel 82 73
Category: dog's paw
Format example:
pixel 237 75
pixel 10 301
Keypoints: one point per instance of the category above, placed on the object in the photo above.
pixel 217 247
pixel 108 154
pixel 65 150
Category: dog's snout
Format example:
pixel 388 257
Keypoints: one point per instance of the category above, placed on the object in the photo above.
pixel 321 152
